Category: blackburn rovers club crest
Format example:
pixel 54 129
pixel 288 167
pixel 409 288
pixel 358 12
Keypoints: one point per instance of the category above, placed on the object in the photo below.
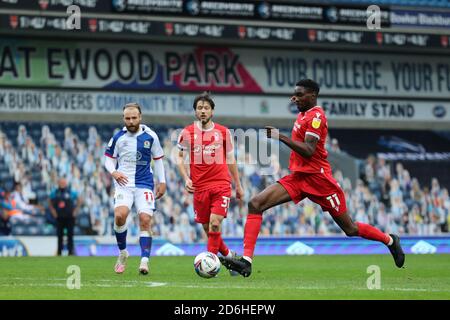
pixel 169 28
pixel 242 31
pixel 43 4
pixel 444 41
pixel 316 121
pixel 13 21
pixel 312 35
pixel 379 37
pixel 146 144
pixel 92 25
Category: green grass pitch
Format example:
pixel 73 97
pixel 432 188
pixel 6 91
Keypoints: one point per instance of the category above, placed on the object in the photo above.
pixel 274 277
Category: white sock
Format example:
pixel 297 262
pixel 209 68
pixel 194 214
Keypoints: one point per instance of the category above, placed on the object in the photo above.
pixel 391 241
pixel 229 255
pixel 145 234
pixel 120 229
pixel 123 251
pixel 248 259
pixel 144 260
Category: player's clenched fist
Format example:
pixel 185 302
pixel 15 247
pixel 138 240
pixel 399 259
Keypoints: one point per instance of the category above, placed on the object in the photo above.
pixel 188 186
pixel 160 190
pixel 239 193
pixel 272 132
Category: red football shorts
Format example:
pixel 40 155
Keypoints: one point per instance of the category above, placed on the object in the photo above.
pixel 214 200
pixel 320 188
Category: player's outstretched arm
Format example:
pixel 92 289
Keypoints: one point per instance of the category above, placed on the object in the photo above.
pixel 305 149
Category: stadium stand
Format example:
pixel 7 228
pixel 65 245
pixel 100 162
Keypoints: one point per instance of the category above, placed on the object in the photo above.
pixel 34 154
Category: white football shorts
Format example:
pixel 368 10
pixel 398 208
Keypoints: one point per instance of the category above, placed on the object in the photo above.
pixel 143 199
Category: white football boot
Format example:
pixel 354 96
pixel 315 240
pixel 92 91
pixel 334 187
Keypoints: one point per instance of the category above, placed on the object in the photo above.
pixel 121 263
pixel 143 267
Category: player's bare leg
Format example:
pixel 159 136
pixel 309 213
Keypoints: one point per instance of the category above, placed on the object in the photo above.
pixel 145 241
pixel 272 196
pixel 367 231
pixel 120 229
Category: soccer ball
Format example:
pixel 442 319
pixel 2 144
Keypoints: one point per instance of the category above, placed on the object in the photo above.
pixel 207 264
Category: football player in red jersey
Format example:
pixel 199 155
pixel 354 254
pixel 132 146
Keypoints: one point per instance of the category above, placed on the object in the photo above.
pixel 208 147
pixel 310 177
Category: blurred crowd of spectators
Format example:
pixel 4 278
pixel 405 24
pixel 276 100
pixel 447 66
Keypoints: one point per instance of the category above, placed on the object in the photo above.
pixel 385 195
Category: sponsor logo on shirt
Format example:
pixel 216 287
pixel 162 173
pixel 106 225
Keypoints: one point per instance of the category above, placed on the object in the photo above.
pixel 316 123
pixel 197 149
pixel 207 149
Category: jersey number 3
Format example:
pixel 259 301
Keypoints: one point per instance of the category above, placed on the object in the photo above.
pixel 226 203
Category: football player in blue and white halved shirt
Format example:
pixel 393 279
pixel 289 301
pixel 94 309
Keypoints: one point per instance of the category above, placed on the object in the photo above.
pixel 128 158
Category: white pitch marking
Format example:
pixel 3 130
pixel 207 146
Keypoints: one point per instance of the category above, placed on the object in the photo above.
pixel 136 283
pixel 304 288
pixel 89 283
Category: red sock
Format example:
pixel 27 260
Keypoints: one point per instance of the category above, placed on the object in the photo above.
pixel 369 232
pixel 223 249
pixel 213 242
pixel 251 231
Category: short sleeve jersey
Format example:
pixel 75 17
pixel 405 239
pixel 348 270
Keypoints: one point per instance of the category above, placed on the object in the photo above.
pixel 312 122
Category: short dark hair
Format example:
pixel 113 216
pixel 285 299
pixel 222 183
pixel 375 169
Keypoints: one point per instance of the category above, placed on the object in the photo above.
pixel 132 105
pixel 309 84
pixel 205 96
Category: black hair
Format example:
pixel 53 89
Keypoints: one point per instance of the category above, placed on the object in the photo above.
pixel 205 96
pixel 309 84
pixel 132 105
